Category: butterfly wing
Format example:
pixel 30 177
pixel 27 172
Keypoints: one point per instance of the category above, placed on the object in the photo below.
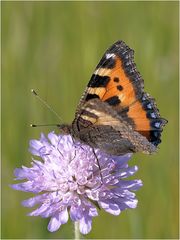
pixel 117 82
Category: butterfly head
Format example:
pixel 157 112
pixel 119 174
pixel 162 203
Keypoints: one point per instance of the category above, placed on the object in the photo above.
pixel 65 128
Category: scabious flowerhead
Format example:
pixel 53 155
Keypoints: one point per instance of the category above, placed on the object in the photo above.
pixel 68 180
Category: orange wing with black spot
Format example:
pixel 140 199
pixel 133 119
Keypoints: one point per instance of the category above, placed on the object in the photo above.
pixel 117 82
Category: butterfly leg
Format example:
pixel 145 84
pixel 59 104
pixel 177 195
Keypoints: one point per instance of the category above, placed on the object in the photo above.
pixel 75 148
pixel 98 164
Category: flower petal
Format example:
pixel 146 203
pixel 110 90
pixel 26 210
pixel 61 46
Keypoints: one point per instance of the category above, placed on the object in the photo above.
pixel 85 225
pixel 31 202
pixel 130 184
pixel 39 211
pixel 53 138
pixel 112 208
pixel 54 223
pixel 76 213
pixel 63 216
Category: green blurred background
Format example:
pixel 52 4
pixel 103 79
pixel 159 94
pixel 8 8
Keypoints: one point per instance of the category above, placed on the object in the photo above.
pixel 54 47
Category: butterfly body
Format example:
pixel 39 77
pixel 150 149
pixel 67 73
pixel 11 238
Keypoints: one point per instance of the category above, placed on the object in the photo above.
pixel 114 113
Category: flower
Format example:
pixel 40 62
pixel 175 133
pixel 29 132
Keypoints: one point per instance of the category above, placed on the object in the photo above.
pixel 72 179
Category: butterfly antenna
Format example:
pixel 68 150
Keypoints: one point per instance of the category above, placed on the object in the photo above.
pixel 44 125
pixel 47 105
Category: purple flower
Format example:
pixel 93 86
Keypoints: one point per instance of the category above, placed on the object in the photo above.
pixel 69 181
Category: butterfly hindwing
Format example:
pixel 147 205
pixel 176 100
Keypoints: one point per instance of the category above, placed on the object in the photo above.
pixel 103 128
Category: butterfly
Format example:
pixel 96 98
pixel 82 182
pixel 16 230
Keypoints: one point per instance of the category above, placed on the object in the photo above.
pixel 115 114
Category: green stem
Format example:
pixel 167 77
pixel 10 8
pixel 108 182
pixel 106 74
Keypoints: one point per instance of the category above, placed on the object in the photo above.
pixel 76 231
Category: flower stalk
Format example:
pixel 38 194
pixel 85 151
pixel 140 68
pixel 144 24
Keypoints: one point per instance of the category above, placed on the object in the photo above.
pixel 76 231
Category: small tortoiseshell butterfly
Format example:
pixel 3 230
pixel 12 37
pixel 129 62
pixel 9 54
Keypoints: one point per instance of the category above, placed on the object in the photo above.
pixel 114 113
